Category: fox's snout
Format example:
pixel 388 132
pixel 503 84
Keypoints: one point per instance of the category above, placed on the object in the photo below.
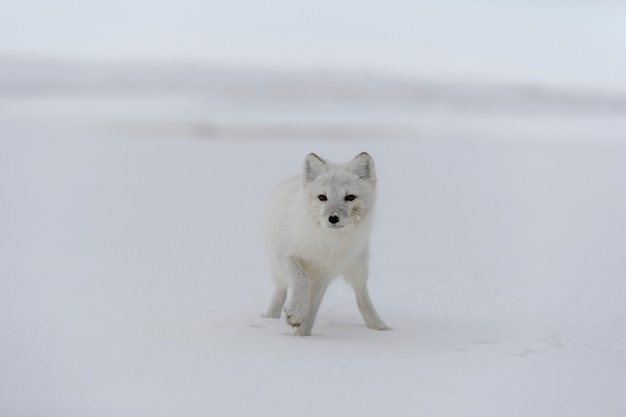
pixel 335 216
pixel 335 220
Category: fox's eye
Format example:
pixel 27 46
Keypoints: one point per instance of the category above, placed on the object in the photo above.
pixel 350 197
pixel 322 197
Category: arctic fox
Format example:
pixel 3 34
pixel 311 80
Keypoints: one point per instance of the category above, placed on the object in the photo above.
pixel 316 228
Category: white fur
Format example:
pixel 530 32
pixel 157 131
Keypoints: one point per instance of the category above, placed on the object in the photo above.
pixel 310 242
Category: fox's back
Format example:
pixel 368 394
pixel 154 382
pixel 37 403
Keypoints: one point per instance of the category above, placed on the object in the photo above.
pixel 279 214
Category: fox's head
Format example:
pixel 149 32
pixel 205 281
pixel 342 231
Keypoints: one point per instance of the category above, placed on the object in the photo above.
pixel 340 195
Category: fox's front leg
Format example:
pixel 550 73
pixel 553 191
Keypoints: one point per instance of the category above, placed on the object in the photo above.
pixel 298 307
pixel 317 289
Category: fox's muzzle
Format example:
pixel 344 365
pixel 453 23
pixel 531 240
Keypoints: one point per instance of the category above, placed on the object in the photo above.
pixel 335 216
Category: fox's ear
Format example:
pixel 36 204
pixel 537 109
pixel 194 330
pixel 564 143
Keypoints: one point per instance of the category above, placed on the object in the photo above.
pixel 313 167
pixel 363 166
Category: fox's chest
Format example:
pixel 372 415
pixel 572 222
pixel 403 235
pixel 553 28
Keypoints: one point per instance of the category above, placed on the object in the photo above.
pixel 328 254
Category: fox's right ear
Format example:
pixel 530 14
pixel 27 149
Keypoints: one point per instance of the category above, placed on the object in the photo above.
pixel 313 167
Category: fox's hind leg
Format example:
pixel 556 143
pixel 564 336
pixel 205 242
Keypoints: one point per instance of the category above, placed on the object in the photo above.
pixel 279 296
pixel 277 303
pixel 357 276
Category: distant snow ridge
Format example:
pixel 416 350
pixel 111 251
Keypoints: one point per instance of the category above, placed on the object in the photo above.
pixel 32 77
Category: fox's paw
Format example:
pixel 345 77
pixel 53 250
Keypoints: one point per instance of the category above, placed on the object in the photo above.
pixel 303 330
pixel 378 326
pixel 375 323
pixel 295 315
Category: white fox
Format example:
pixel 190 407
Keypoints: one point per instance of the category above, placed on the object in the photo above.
pixel 316 228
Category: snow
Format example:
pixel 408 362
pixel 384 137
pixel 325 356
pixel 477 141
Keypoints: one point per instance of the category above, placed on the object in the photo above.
pixel 132 275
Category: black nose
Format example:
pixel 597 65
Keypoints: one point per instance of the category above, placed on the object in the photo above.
pixel 333 219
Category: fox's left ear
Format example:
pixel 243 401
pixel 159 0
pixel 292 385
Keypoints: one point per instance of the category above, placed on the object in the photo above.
pixel 363 166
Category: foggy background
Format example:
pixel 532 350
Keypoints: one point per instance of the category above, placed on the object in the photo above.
pixel 384 66
pixel 562 43
pixel 390 69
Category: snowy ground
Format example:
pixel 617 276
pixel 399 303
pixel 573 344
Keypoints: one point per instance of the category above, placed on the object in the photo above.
pixel 132 278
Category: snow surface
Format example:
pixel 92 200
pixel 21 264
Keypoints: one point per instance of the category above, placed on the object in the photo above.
pixel 132 276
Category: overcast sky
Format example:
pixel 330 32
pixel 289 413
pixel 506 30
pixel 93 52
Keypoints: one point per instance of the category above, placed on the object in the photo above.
pixel 578 43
